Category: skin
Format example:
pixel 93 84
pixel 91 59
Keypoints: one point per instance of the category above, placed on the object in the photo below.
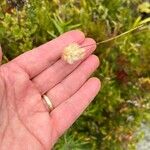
pixel 25 123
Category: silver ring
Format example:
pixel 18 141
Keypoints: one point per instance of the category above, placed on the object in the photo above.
pixel 47 103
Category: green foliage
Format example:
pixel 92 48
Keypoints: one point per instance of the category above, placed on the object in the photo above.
pixel 144 7
pixel 124 100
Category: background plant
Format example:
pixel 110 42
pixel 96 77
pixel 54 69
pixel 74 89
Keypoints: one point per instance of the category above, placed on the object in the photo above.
pixel 116 114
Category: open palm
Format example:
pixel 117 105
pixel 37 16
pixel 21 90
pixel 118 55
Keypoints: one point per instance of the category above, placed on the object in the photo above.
pixel 25 122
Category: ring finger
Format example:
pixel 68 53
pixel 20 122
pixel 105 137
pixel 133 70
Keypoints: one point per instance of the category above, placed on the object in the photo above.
pixel 72 83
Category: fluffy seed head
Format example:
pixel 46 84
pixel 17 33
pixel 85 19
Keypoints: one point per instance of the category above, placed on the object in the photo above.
pixel 72 53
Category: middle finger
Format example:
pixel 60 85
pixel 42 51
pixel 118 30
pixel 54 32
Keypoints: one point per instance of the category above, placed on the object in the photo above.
pixel 57 72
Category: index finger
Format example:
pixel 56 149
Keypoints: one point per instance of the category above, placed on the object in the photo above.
pixel 40 58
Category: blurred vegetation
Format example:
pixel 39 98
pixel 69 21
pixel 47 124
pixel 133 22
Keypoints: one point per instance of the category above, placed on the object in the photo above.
pixel 115 115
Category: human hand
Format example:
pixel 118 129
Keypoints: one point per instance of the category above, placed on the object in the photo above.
pixel 25 122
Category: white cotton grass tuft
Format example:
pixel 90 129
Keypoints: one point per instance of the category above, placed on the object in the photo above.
pixel 72 53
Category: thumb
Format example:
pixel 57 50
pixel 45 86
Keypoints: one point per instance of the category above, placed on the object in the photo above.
pixel 0 54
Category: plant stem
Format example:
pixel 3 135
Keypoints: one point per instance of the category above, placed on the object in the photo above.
pixel 116 37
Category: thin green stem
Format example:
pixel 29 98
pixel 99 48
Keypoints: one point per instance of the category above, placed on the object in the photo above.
pixel 116 37
pixel 120 35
